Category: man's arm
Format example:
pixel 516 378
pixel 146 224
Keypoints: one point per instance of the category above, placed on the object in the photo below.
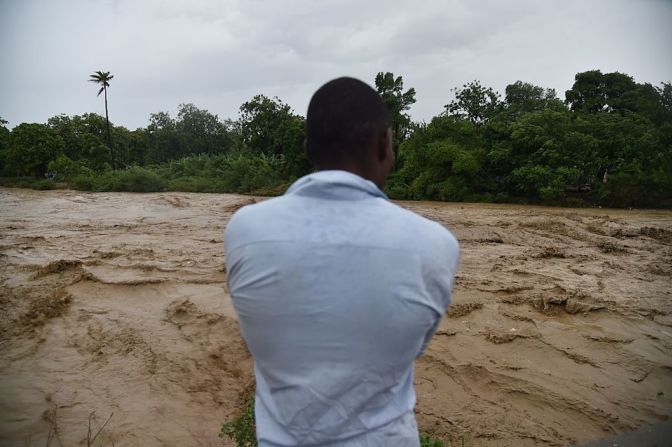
pixel 439 278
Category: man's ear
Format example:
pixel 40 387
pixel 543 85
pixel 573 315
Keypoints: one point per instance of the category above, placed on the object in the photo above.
pixel 308 155
pixel 384 144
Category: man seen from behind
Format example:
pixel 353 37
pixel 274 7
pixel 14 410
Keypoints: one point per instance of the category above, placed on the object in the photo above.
pixel 337 289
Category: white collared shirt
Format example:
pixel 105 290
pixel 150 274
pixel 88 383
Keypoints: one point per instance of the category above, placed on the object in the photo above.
pixel 338 291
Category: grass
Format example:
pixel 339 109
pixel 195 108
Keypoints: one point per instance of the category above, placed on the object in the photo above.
pixel 242 429
pixel 30 182
pixel 53 433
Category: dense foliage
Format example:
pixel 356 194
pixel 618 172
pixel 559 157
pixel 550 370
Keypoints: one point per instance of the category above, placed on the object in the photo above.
pixel 609 143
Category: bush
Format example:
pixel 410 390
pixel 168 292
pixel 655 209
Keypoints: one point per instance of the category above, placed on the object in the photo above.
pixel 397 187
pixel 272 190
pixel 84 183
pixel 28 182
pixel 242 172
pixel 633 186
pixel 43 185
pixel 452 189
pixel 137 179
pixel 502 197
pixel 66 169
pixel 246 172
pixel 194 184
pixel 17 182
pixel 234 172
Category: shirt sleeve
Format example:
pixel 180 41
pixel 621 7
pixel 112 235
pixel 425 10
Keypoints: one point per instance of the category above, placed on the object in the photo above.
pixel 439 278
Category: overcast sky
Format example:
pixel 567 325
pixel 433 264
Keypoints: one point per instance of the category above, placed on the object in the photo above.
pixel 219 53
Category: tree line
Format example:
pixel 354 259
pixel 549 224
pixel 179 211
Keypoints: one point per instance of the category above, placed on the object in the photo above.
pixel 608 143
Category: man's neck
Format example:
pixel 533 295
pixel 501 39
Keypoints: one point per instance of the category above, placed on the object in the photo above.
pixel 353 169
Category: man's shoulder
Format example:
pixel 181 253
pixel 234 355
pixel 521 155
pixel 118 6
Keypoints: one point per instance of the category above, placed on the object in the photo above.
pixel 424 233
pixel 253 211
pixel 411 218
pixel 286 216
pixel 248 219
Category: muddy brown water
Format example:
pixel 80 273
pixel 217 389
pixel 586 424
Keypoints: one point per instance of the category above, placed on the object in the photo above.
pixel 115 304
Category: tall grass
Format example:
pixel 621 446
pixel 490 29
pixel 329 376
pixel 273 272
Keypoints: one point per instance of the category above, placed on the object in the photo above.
pixel 241 172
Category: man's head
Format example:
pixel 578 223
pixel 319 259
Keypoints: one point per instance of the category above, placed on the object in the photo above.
pixel 348 128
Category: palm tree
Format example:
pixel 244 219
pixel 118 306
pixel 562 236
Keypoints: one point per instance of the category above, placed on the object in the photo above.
pixel 103 78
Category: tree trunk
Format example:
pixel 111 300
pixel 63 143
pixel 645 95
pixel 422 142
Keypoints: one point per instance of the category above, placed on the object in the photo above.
pixel 109 135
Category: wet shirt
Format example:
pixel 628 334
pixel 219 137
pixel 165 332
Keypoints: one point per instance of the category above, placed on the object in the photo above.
pixel 338 291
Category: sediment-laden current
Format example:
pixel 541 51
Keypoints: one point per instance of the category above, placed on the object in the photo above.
pixel 115 314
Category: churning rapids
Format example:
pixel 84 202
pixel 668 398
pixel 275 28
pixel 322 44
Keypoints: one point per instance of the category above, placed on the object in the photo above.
pixel 114 309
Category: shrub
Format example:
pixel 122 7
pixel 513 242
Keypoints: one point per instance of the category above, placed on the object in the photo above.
pixel 136 179
pixel 66 169
pixel 194 184
pixel 43 185
pixel 397 186
pixel 84 182
pixel 245 172
pixel 502 197
pixel 16 182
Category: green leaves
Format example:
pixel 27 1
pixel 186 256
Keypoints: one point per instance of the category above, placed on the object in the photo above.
pixel 474 102
pixel 101 77
pixel 398 101
pixel 610 144
pixel 443 161
pixel 31 148
pixel 270 126
pixel 595 92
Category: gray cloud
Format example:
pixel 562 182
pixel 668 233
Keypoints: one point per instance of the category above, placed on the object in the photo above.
pixel 218 54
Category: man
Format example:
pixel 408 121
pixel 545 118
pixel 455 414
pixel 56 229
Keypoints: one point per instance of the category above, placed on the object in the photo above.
pixel 338 290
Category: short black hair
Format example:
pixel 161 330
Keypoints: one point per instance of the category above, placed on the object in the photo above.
pixel 344 116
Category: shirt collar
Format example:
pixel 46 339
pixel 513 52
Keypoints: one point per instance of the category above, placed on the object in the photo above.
pixel 335 184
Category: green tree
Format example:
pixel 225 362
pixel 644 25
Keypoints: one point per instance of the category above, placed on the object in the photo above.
pixel 201 132
pixel 103 78
pixel 31 148
pixel 398 101
pixel 131 146
pixel 270 126
pixel 524 97
pixel 69 133
pixel 4 142
pixel 83 137
pixel 443 162
pixel 551 153
pixel 665 93
pixel 594 91
pixel 163 139
pixel 474 102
